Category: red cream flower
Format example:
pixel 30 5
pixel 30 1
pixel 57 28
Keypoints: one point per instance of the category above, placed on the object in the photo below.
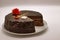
pixel 15 11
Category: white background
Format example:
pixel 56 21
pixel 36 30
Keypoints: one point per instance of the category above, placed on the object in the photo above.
pixel 50 10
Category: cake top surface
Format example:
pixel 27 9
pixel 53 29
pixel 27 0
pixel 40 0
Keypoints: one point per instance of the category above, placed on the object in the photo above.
pixel 11 18
pixel 23 13
pixel 30 13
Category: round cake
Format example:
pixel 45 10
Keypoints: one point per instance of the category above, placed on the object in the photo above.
pixel 23 21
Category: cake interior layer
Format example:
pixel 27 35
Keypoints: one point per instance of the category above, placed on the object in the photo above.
pixel 38 21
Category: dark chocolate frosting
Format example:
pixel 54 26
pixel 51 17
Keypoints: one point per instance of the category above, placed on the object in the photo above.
pixel 24 25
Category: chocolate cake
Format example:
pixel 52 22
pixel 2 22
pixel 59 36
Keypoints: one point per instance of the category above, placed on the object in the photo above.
pixel 14 22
